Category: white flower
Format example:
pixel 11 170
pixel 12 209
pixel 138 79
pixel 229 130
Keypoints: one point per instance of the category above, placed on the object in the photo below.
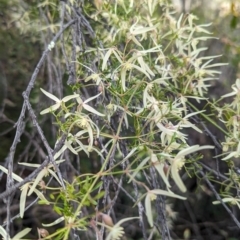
pixel 57 100
pixel 230 199
pixel 86 106
pixel 116 232
pixel 179 160
pixel 236 89
pixel 51 45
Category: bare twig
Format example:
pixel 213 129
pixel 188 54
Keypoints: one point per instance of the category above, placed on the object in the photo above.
pixel 219 198
pixel 40 132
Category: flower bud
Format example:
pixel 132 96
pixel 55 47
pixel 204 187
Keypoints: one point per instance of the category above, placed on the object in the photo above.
pixel 107 220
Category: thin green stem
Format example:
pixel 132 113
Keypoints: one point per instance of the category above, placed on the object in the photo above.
pixel 209 119
pixel 115 140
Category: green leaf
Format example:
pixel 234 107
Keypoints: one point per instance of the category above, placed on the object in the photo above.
pixel 99 195
pixel 234 22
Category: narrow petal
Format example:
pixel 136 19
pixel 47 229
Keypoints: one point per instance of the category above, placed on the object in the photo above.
pixel 69 146
pixel 62 150
pixel 3 232
pixel 37 180
pixel 123 78
pixel 148 209
pixel 51 109
pixel 91 98
pixel 23 199
pixel 176 177
pixel 167 193
pixel 54 175
pixel 140 166
pixel 105 59
pixel 15 176
pixel 41 196
pixel 22 234
pixel 192 149
pixel 54 223
pixel 50 95
pixel 67 98
pixel 160 168
pixel 92 110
